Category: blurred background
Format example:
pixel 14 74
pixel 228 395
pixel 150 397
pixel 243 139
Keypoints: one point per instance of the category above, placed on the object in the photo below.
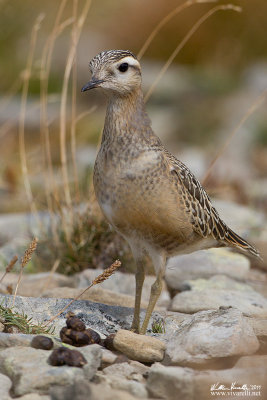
pixel 214 89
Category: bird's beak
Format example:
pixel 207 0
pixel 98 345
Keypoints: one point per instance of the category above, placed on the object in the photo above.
pixel 93 83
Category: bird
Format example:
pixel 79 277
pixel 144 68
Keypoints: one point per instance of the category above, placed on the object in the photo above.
pixel 147 195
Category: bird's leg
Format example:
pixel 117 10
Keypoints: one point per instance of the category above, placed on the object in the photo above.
pixel 139 280
pixel 159 262
pixel 156 289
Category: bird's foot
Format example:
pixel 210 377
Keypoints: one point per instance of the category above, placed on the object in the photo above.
pixel 135 327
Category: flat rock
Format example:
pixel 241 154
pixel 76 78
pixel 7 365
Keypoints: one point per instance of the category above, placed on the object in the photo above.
pixel 205 264
pixel 15 339
pixel 170 383
pixel 100 317
pixel 28 369
pixel 123 283
pixel 250 303
pixel 96 294
pixel 209 336
pixel 139 347
pixel 5 386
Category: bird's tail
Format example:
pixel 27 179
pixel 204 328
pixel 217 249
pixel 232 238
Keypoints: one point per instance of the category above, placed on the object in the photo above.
pixel 237 241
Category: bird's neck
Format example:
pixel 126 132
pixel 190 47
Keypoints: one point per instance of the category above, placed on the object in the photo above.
pixel 126 119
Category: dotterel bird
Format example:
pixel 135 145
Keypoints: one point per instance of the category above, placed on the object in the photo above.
pixel 148 196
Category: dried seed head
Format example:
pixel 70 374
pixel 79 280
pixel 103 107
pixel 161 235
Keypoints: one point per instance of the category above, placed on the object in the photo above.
pixel 11 264
pixel 28 253
pixel 107 273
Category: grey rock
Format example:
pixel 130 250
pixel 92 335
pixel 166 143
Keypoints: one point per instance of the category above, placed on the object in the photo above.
pixel 14 339
pixel 215 282
pixel 100 317
pixel 133 387
pixel 28 369
pixel 93 355
pixel 133 370
pixel 108 357
pixel 5 386
pixel 250 303
pixel 81 390
pixel 205 264
pixel 170 383
pixel 209 336
pixel 259 327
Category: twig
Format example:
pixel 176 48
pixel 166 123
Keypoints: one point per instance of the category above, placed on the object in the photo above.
pixel 24 261
pixel 185 40
pixel 73 106
pixel 25 88
pixel 260 99
pixel 63 108
pixel 50 184
pixel 99 279
pixel 165 20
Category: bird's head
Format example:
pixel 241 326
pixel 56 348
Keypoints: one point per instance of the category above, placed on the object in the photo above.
pixel 115 71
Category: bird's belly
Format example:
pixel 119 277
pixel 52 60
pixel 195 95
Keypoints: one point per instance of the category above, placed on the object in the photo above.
pixel 146 212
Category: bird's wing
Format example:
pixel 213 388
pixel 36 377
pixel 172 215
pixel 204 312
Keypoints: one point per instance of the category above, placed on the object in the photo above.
pixel 204 217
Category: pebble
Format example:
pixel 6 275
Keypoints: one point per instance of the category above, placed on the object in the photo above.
pixel 42 342
pixel 139 347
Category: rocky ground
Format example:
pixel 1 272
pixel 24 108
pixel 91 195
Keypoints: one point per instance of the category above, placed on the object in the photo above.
pixel 209 328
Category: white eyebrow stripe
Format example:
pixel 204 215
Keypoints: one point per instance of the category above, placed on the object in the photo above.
pixel 130 60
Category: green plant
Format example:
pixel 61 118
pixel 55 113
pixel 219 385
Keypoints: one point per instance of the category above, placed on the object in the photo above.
pixel 158 326
pixel 11 318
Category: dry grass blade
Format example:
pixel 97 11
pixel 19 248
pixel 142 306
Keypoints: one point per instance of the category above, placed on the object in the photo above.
pixel 73 107
pixel 100 278
pixel 185 40
pixel 63 105
pixel 25 88
pixel 260 99
pixel 50 185
pixel 9 267
pixel 24 261
pixel 166 19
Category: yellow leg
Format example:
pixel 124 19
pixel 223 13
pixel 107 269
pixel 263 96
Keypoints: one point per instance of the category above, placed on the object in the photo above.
pixel 139 280
pixel 156 289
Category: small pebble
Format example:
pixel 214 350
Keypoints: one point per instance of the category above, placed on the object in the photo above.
pixel 75 323
pixel 108 342
pixel 77 338
pixel 42 342
pixel 64 356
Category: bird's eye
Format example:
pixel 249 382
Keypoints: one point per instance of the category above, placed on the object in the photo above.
pixel 123 67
